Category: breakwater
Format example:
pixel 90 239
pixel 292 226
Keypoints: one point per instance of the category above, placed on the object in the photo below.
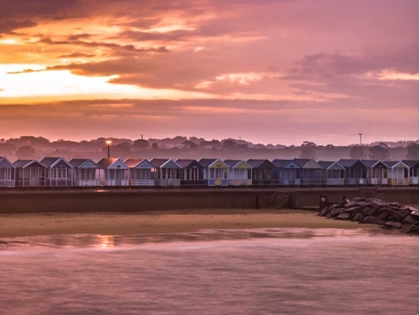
pixel 143 200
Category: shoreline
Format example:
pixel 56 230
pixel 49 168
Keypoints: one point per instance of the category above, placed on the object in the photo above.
pixel 154 222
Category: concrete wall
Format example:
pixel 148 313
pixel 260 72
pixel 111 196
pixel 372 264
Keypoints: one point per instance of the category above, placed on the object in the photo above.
pixel 140 200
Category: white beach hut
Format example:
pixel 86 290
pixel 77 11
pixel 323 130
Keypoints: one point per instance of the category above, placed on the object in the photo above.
pixel 167 172
pixel 140 172
pixel 112 172
pixel 30 173
pixel 84 172
pixel 414 171
pixel 7 173
pixel 397 173
pixel 60 172
pixel 239 174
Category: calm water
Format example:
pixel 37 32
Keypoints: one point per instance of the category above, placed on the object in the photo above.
pixel 267 271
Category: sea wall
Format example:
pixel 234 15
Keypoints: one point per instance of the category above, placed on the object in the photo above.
pixel 142 200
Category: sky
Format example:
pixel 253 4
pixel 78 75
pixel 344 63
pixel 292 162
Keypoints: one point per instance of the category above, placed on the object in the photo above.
pixel 268 71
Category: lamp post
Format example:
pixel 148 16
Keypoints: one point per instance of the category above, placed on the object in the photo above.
pixel 108 142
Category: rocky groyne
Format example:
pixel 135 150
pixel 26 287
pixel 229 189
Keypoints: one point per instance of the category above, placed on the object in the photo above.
pixel 390 215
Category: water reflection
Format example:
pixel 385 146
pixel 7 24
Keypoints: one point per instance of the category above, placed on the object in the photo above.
pixel 106 241
pixel 112 241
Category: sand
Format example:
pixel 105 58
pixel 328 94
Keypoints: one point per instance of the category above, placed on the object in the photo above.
pixel 14 225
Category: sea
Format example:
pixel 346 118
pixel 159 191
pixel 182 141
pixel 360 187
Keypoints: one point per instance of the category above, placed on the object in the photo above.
pixel 261 271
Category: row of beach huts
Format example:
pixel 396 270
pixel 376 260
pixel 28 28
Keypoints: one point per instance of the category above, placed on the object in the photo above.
pixel 110 172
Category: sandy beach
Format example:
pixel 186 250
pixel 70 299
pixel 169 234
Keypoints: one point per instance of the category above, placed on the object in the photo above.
pixel 14 225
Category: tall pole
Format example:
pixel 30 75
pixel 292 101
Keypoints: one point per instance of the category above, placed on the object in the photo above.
pixel 108 142
pixel 360 134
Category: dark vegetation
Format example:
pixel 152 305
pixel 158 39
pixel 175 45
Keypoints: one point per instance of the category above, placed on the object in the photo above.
pixel 29 147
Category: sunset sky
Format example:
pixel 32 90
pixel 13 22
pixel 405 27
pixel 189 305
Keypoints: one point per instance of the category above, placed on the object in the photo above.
pixel 268 71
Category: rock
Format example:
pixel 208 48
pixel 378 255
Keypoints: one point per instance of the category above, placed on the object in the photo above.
pixel 415 212
pixel 406 228
pixel 409 220
pixel 353 210
pixel 394 218
pixel 394 204
pixel 343 216
pixel 323 212
pixel 360 199
pixel 357 217
pixel 401 214
pixel 378 203
pixel 369 220
pixel 349 204
pixel 383 216
pixel 387 210
pixel 392 225
pixel 366 211
pixel 415 230
pixel 335 212
pixel 374 212
pixel 380 222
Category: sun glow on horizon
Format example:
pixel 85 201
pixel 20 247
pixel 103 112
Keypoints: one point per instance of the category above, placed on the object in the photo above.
pixel 26 81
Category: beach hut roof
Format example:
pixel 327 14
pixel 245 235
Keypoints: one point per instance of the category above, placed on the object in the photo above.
pixel 21 163
pixel 170 164
pixel 206 162
pixel 52 162
pixel 83 163
pixel 254 163
pixel 307 163
pixel 238 164
pixel 5 163
pixel 411 163
pixel 158 162
pixel 348 162
pixel 232 163
pixel 280 163
pixel 188 163
pixel 333 166
pixel 325 164
pixel 393 164
pixel 28 163
pixel 111 163
pixel 302 162
pixel 369 163
pixel 219 164
pixel 138 163
pixel 373 164
pixel 48 161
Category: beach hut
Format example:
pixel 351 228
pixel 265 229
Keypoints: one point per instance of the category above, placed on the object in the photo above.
pixel 355 172
pixel 84 171
pixel 263 172
pixel 376 172
pixel 192 173
pixel 286 172
pixel 59 171
pixel 413 176
pixel 397 173
pixel 30 173
pixel 112 172
pixel 140 172
pixel 310 172
pixel 240 173
pixel 215 172
pixel 7 173
pixel 333 173
pixel 167 172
